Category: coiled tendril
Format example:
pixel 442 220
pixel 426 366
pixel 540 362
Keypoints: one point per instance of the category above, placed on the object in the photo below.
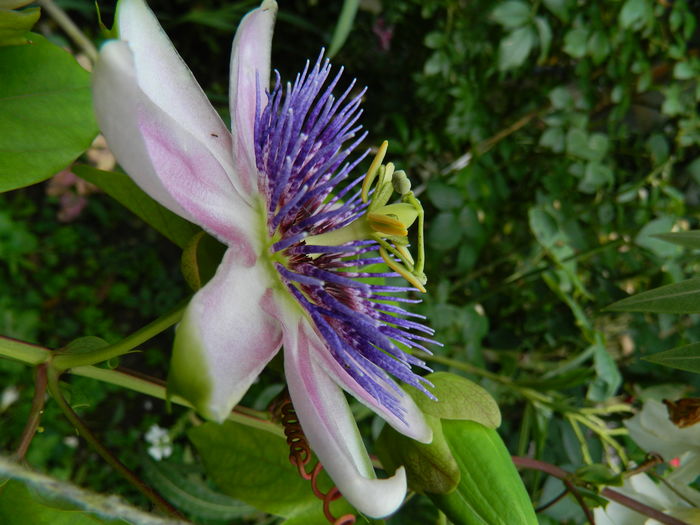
pixel 300 456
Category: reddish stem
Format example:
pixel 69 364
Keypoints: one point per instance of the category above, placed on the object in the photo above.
pixel 608 493
pixel 37 410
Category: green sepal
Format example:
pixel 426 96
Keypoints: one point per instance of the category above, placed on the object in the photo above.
pixel 105 32
pixel 429 468
pixel 459 398
pixel 188 376
pixel 490 490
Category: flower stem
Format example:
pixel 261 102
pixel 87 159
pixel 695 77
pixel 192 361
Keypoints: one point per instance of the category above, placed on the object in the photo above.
pixel 73 31
pixel 32 424
pixel 155 388
pixel 24 352
pixel 65 361
pixel 110 458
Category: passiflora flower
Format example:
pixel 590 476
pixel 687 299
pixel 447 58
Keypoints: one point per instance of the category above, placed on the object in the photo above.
pixel 302 236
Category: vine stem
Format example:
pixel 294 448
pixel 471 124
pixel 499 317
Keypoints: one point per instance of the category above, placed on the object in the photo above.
pixel 65 361
pixel 30 428
pixel 36 355
pixel 110 458
pixel 607 493
pixel 68 26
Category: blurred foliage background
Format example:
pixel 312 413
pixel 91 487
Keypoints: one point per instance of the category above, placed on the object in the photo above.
pixel 548 140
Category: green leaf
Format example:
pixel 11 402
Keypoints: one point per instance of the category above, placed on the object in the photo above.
pixel 444 197
pixel 515 48
pixel 595 177
pixel 576 42
pixel 545 227
pixel 598 46
pixel 83 345
pixel 544 32
pixel 676 298
pixel 343 27
pixel 15 24
pixel 444 232
pixel 647 237
pixel 685 357
pixel 490 490
pixel 120 187
pixel 598 474
pixel 458 398
pixel 608 378
pixel 689 239
pixel 190 494
pixel 561 98
pixel 429 467
pixel 253 465
pixel 46 117
pixel 511 14
pixel 560 8
pixel 634 13
pixel 684 71
pixel 30 498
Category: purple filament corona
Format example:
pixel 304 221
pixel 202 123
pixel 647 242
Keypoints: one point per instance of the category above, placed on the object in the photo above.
pixel 304 137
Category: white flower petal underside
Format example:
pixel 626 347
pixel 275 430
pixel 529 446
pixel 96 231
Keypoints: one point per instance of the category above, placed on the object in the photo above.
pixel 331 430
pixel 250 69
pixel 165 78
pixel 163 158
pixel 224 340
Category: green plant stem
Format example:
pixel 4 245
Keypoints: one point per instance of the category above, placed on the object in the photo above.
pixel 24 352
pixel 156 388
pixel 65 361
pixel 32 424
pixel 68 26
pixel 110 458
pixel 36 355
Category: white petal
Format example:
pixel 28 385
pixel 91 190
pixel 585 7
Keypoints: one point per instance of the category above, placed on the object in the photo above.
pixel 165 78
pixel 163 158
pixel 332 433
pixel 225 339
pixel 250 66
pixel 653 431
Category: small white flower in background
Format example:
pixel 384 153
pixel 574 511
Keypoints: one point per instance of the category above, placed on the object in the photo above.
pixel 71 441
pixel 653 431
pixel 642 488
pixel 161 445
pixel 9 396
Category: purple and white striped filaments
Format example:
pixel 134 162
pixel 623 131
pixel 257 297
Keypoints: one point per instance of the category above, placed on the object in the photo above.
pixel 304 138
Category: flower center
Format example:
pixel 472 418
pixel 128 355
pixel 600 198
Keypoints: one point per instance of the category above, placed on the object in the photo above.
pixel 329 236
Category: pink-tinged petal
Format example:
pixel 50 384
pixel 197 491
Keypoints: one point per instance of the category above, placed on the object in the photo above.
pixel 330 428
pixel 165 78
pixel 224 340
pixel 163 158
pixel 413 424
pixel 250 68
